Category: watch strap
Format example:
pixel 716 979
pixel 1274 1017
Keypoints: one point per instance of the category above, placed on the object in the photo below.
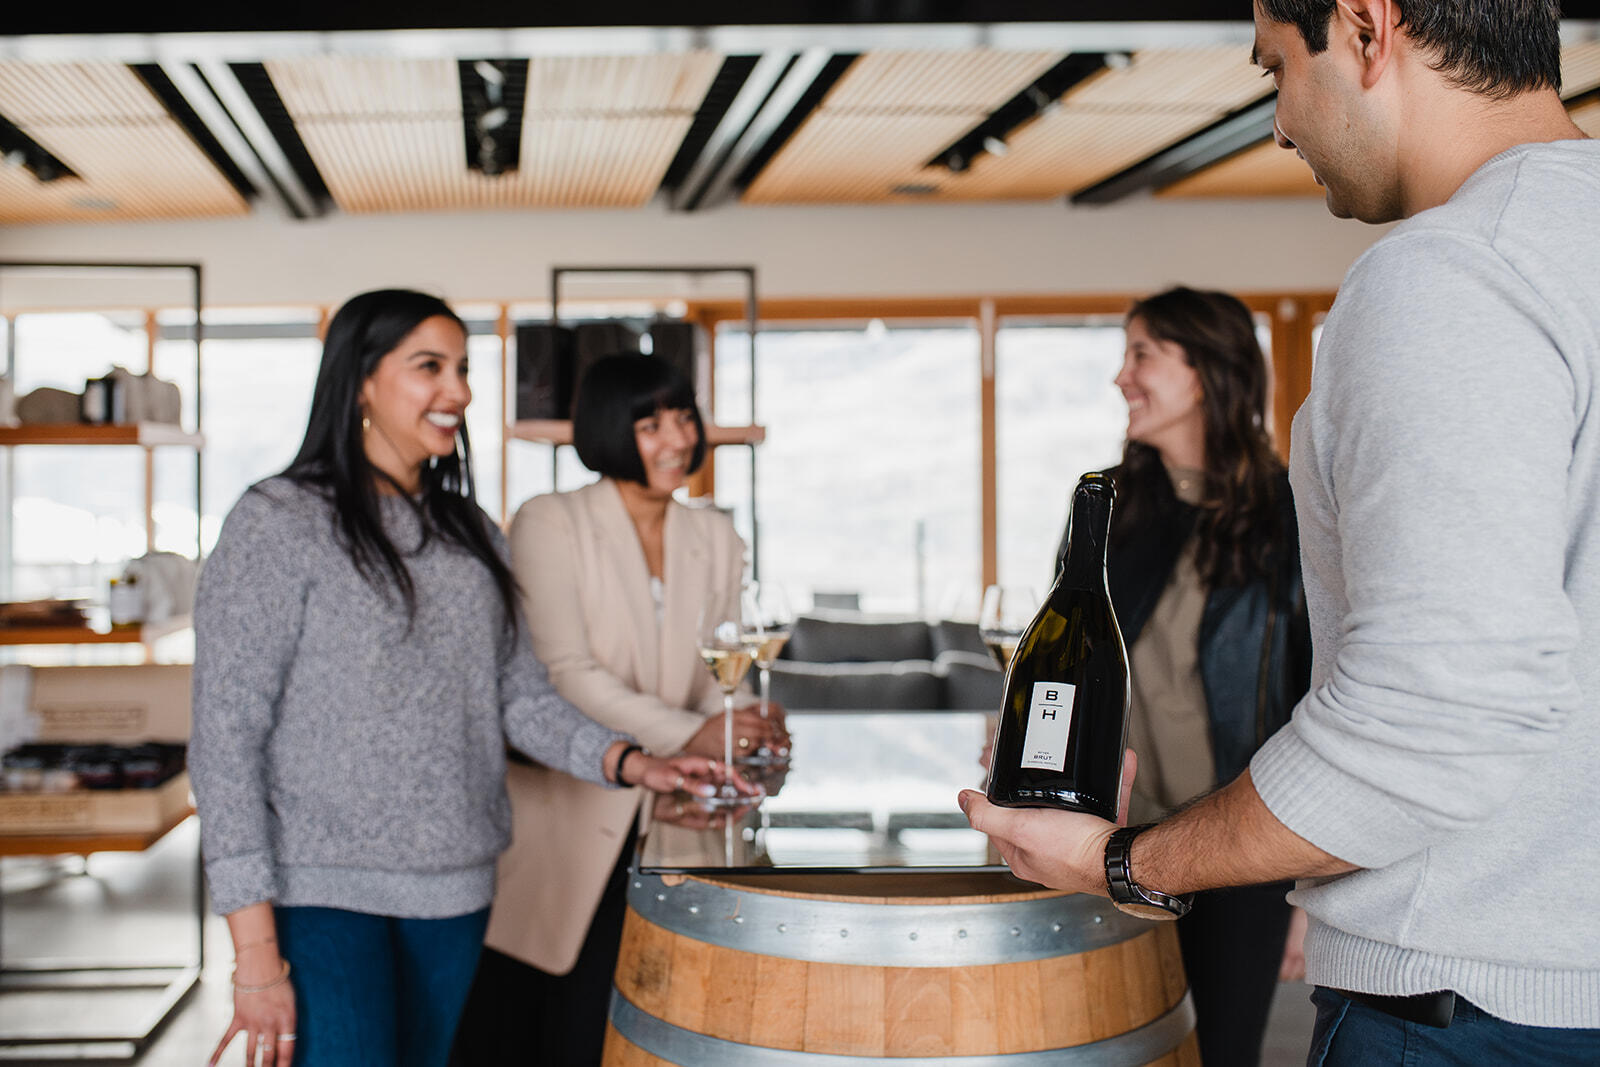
pixel 1125 892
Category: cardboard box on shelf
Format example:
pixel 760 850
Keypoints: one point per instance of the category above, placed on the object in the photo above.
pixel 95 811
pixel 111 706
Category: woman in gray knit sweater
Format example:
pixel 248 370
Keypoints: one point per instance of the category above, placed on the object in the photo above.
pixel 359 667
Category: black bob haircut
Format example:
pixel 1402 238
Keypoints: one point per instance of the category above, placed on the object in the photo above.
pixel 616 392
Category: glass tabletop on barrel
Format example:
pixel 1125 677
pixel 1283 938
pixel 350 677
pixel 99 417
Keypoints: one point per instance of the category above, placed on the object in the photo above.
pixel 864 792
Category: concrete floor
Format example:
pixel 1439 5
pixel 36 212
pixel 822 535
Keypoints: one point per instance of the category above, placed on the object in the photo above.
pixel 136 907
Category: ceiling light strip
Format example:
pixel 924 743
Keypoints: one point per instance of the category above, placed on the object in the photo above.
pixel 198 95
pixel 757 87
pixel 266 147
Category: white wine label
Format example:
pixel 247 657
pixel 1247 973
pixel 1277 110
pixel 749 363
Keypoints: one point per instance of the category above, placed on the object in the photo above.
pixel 1049 720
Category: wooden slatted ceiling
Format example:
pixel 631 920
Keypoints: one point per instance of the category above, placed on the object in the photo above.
pixel 1114 120
pixel 133 159
pixel 1267 170
pixel 1588 118
pixel 889 113
pixel 1580 68
pixel 861 144
pixel 597 131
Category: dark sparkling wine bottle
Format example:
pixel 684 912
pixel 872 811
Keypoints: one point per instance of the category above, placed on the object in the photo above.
pixel 1064 720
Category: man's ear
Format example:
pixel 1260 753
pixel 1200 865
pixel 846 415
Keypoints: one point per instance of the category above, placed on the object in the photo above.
pixel 1371 29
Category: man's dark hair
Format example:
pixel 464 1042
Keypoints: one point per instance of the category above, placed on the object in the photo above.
pixel 618 391
pixel 1494 47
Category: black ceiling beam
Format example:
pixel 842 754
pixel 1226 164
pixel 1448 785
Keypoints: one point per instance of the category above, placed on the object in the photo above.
pixel 720 95
pixel 1228 136
pixel 156 80
pixel 1029 104
pixel 257 85
pixel 508 14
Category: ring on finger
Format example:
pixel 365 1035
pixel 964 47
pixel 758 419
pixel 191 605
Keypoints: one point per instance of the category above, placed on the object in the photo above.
pixel 679 783
pixel 285 1037
pixel 744 742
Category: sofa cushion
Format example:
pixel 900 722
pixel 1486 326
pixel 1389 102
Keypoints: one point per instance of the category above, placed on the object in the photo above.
pixel 816 639
pixel 909 684
pixel 947 635
pixel 971 681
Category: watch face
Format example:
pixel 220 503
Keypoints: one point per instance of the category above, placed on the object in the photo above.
pixel 1141 910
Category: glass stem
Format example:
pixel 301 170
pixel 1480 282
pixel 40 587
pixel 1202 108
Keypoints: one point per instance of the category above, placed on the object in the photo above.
pixel 766 687
pixel 727 728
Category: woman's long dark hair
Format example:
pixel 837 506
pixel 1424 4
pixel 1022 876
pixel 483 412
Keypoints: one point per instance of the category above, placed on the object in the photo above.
pixel 332 457
pixel 1239 523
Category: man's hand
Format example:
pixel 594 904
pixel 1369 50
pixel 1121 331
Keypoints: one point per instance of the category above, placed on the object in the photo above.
pixel 1059 849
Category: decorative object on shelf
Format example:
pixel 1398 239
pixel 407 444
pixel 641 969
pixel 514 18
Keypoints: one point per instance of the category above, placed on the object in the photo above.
pixel 43 613
pixel 48 406
pixel 125 599
pixel 545 377
pixel 167 580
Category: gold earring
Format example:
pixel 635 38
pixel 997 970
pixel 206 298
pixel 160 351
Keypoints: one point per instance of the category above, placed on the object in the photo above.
pixel 366 424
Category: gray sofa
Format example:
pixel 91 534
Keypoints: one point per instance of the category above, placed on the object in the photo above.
pixel 845 661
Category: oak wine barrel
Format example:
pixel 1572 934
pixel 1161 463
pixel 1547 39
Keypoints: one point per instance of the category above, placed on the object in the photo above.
pixel 963 970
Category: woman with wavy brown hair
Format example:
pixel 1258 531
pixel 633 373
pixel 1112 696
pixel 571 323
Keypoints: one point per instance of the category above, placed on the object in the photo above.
pixel 1204 570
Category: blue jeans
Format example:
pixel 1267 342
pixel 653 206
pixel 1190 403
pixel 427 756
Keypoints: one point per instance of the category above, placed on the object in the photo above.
pixel 374 991
pixel 1349 1034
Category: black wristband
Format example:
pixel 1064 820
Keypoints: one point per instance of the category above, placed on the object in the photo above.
pixel 626 752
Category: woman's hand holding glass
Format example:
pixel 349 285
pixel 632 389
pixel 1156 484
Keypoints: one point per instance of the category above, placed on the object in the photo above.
pixel 696 776
pixel 750 732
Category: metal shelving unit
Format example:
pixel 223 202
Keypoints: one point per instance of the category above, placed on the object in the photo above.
pixel 171 983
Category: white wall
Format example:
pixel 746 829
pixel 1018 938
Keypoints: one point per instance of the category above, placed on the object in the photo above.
pixel 900 250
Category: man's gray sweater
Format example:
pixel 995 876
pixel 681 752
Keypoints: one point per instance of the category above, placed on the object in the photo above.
pixel 344 755
pixel 1446 471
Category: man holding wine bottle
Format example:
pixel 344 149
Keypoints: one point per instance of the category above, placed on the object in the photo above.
pixel 1427 792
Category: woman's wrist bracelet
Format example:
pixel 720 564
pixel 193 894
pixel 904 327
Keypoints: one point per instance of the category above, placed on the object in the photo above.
pixel 254 944
pixel 283 976
pixel 626 752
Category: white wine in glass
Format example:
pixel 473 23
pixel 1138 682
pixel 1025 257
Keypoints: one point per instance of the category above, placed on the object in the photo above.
pixel 769 605
pixel 725 649
pixel 1007 610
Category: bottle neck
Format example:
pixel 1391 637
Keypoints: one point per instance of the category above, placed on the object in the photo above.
pixel 1085 565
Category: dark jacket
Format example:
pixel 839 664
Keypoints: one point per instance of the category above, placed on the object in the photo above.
pixel 1255 639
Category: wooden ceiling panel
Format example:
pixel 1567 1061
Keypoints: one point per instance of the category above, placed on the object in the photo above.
pixel 102 92
pixel 1588 118
pixel 857 157
pixel 1265 170
pixel 588 162
pixel 132 159
pixel 613 85
pixel 343 87
pixel 597 131
pixel 1066 151
pixel 972 82
pixel 888 115
pixel 1214 80
pixel 1580 68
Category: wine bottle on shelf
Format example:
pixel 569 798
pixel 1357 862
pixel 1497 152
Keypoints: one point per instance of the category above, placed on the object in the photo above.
pixel 1064 719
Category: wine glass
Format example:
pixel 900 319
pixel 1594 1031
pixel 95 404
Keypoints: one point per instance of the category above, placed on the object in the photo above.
pixel 725 643
pixel 1006 612
pixel 771 609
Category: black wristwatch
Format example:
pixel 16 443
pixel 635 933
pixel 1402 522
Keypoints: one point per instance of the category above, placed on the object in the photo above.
pixel 1129 896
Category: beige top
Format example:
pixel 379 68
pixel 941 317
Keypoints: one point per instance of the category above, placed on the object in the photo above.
pixel 1168 726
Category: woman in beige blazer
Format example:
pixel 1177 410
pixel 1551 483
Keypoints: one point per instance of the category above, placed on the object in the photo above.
pixel 614 577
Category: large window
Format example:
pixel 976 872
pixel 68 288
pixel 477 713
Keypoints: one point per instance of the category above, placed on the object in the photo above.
pixel 1056 415
pixel 868 482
